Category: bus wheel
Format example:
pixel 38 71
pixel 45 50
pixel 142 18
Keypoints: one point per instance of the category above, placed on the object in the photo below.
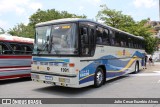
pixel 136 68
pixel 99 77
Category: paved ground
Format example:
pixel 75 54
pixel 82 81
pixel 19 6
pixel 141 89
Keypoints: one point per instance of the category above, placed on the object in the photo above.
pixel 151 68
pixel 145 84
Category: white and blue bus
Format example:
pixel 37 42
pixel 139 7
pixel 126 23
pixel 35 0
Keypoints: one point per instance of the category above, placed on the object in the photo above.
pixel 80 52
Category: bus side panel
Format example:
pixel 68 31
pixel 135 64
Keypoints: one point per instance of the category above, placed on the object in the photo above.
pixel 15 66
pixel 117 63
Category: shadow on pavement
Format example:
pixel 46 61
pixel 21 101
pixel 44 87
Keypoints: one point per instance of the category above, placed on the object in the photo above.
pixel 71 92
pixel 64 91
pixel 16 80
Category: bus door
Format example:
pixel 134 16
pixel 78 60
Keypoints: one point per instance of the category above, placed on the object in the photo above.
pixel 87 50
pixel 87 40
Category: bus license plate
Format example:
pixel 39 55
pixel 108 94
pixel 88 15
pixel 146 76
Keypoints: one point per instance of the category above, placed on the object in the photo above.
pixel 48 77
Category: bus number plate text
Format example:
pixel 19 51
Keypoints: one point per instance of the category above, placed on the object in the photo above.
pixel 48 77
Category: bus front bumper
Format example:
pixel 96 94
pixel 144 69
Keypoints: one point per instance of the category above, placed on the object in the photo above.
pixel 56 79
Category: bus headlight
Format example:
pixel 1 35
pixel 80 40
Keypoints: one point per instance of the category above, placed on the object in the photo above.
pixel 65 80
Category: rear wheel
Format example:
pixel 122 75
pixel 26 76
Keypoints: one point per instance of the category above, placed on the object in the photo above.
pixel 136 68
pixel 99 77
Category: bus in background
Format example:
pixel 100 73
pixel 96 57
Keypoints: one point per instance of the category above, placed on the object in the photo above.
pixel 15 56
pixel 80 52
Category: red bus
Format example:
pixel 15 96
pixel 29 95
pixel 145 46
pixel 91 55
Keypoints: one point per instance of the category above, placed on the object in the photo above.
pixel 15 56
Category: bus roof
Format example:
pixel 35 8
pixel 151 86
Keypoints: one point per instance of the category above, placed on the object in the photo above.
pixel 61 21
pixel 10 38
pixel 82 19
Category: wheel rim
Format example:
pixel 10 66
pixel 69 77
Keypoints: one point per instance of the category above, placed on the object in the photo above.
pixel 136 68
pixel 99 77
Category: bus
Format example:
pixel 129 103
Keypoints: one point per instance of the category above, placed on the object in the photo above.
pixel 80 52
pixel 15 56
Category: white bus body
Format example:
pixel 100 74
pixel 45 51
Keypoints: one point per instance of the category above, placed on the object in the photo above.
pixel 80 71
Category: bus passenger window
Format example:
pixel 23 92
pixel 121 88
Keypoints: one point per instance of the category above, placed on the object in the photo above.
pixel 117 39
pixel 99 39
pixel 4 49
pixel 26 49
pixel 1 49
pixel 112 37
pixel 130 42
pixel 16 48
pixel 91 40
pixel 122 40
pixel 106 37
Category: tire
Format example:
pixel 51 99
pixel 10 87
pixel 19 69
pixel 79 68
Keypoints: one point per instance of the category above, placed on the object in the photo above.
pixel 99 77
pixel 136 68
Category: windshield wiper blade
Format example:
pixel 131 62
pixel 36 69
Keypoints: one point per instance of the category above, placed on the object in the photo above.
pixel 44 46
pixel 52 46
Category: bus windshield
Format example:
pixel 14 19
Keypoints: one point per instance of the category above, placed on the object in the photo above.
pixel 56 39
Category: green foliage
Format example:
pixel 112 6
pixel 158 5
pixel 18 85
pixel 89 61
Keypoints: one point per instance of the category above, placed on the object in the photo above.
pixel 114 18
pixel 126 23
pixel 22 30
pixel 2 31
pixel 151 44
pixel 37 17
pixel 52 14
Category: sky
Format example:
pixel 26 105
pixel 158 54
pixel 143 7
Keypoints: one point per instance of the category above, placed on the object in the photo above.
pixel 13 12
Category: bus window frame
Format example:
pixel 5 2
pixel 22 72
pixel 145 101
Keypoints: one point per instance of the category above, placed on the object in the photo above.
pixel 27 52
pixel 8 46
pixel 15 51
pixel 91 46
pixel 64 55
pixel 108 43
pixel 112 37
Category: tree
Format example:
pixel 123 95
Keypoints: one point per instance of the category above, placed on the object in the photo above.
pixel 52 14
pixel 126 23
pixel 1 31
pixel 151 44
pixel 40 16
pixel 22 30
pixel 114 18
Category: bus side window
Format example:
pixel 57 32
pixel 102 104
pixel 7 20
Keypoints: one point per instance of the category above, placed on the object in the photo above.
pixel 84 41
pixel 130 42
pixel 123 40
pixel 112 37
pixel 135 43
pixel 117 38
pixel 4 49
pixel 99 37
pixel 106 37
pixel 16 48
pixel 26 49
pixel 91 40
pixel 1 51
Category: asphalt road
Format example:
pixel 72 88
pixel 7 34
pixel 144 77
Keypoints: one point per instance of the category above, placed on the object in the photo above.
pixel 145 84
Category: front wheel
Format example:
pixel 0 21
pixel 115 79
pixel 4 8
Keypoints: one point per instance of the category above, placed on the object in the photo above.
pixel 99 77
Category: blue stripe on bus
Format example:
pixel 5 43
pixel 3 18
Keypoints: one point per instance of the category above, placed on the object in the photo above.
pixel 90 78
pixel 111 65
pixel 50 60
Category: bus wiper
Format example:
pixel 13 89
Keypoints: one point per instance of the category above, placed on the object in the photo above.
pixel 52 45
pixel 44 46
